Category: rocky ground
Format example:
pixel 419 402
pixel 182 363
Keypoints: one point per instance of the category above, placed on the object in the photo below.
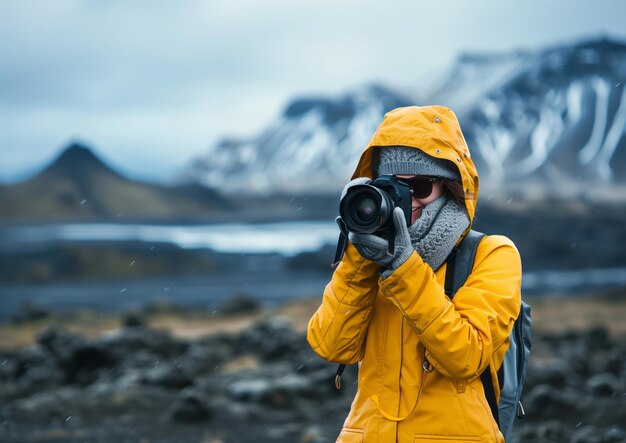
pixel 247 374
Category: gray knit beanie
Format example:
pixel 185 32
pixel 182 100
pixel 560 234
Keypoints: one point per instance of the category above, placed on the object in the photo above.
pixel 411 161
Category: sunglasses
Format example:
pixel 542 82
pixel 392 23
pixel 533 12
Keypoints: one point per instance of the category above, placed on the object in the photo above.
pixel 420 187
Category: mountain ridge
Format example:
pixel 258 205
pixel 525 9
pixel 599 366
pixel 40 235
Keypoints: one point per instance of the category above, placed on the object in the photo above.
pixel 279 157
pixel 526 116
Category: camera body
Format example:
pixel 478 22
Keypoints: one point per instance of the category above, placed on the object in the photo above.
pixel 369 208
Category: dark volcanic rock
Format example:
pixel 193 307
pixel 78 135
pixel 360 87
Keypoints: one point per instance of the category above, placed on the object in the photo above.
pixel 77 357
pixel 245 390
pixel 598 339
pixel 29 311
pixel 239 304
pixel 130 378
pixel 545 401
pixel 556 372
pixel 46 407
pixel 130 340
pixel 133 320
pixel 271 339
pixel 190 407
pixel 281 392
pixel 204 358
pixel 60 343
pixel 34 369
pixel 167 375
pixel 588 434
pixel 605 384
pixel 615 434
pixel 616 361
pixel 551 431
pixel 265 382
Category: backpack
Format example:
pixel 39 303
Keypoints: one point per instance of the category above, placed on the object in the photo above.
pixel 512 373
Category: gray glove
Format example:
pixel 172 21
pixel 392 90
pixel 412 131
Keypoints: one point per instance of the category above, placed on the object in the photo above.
pixel 375 248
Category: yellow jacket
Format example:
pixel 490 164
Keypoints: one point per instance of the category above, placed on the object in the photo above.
pixel 420 355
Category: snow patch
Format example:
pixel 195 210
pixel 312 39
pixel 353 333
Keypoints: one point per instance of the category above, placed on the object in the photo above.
pixel 590 150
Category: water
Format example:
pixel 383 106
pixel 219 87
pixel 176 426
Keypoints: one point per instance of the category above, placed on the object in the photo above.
pixel 287 238
pixel 574 281
pixel 254 276
pixel 271 285
pixel 272 288
pixel 207 292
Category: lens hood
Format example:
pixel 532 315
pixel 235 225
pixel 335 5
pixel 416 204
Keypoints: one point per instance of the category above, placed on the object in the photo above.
pixel 366 209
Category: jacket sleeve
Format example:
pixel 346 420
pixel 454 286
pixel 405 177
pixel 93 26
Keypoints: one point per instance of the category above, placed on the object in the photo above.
pixel 461 337
pixel 336 332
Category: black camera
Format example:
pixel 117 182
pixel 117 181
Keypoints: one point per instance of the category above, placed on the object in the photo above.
pixel 369 208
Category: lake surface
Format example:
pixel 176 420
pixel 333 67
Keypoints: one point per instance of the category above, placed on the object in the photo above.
pixel 269 285
pixel 206 292
pixel 287 238
pixel 271 288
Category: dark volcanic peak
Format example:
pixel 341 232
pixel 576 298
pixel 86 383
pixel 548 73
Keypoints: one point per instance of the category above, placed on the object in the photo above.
pixel 77 185
pixel 75 149
pixel 77 159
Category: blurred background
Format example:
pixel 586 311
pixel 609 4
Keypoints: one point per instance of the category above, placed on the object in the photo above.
pixel 170 173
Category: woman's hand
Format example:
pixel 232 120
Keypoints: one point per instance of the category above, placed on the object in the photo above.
pixel 376 248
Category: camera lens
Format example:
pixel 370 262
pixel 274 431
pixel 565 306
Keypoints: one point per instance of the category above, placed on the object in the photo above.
pixel 366 209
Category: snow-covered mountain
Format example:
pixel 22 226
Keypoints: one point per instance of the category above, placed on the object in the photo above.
pixel 313 145
pixel 555 116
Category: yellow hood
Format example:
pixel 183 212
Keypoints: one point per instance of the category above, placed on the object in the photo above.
pixel 434 130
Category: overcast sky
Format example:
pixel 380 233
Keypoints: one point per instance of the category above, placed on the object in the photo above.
pixel 150 84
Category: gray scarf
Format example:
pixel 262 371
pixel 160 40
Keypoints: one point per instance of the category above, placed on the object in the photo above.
pixel 436 232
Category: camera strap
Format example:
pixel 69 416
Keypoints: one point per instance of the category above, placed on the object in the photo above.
pixel 342 242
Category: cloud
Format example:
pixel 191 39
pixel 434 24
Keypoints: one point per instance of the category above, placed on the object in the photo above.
pixel 160 77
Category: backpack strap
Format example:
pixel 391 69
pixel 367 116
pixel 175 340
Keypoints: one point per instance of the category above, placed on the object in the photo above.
pixel 490 393
pixel 460 263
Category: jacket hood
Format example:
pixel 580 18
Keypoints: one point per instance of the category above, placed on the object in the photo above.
pixel 435 131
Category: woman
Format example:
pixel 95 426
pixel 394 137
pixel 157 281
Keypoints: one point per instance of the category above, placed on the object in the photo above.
pixel 420 354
